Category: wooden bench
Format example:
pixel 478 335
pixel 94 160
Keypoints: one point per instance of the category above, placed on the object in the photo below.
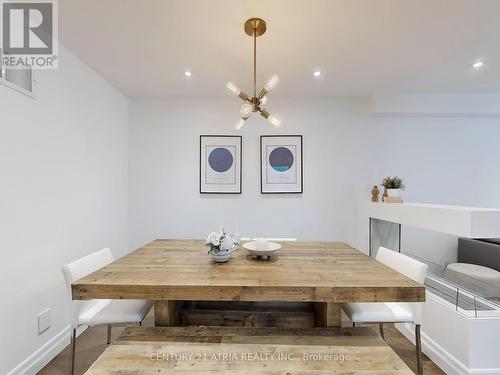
pixel 239 350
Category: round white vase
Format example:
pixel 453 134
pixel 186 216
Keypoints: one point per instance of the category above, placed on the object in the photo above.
pixel 394 193
pixel 222 256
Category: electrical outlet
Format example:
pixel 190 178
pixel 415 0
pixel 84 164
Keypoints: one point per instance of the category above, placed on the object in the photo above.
pixel 44 320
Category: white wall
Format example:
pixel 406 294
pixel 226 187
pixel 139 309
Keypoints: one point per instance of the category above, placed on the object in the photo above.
pixel 457 343
pixel 164 170
pixel 63 194
pixel 346 150
pixel 444 161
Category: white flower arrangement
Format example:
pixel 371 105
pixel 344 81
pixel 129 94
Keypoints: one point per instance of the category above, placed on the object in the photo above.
pixel 219 242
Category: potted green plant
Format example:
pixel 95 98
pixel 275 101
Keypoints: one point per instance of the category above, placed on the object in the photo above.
pixel 393 186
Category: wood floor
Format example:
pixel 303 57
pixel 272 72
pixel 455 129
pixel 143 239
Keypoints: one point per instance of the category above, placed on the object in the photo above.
pixel 92 342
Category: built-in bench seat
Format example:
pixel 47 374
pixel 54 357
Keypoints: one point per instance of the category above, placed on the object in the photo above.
pixel 239 350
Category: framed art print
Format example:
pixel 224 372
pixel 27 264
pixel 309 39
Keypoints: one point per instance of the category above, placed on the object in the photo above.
pixel 281 164
pixel 220 164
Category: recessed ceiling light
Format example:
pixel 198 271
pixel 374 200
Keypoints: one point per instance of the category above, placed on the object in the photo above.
pixel 187 73
pixel 317 73
pixel 478 65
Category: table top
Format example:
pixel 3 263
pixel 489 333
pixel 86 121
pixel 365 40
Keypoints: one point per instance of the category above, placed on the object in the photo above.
pixel 301 271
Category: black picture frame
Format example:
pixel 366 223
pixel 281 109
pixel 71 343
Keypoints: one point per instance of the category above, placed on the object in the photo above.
pixel 202 160
pixel 301 185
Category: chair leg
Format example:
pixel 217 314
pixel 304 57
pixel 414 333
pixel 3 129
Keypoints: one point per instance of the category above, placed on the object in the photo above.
pixel 108 341
pixel 418 347
pixel 72 352
pixel 381 330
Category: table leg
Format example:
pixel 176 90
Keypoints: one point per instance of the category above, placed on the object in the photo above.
pixel 168 313
pixel 327 314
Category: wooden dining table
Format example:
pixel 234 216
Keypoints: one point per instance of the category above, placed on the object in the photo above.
pixel 325 273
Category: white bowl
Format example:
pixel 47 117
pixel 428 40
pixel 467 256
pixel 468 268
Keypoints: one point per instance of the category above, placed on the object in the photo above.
pixel 272 247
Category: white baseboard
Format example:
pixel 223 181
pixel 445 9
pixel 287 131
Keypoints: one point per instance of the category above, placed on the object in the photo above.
pixel 44 355
pixel 442 358
pixel 40 358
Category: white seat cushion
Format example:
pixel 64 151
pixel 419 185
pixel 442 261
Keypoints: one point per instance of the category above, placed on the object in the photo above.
pixel 375 312
pixel 475 271
pixel 116 311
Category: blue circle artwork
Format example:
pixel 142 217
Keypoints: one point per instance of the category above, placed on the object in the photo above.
pixel 220 159
pixel 281 159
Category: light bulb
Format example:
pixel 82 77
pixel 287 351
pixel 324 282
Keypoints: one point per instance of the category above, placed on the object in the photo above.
pixel 263 101
pixel 240 124
pixel 478 65
pixel 273 81
pixel 246 110
pixel 273 120
pixel 233 87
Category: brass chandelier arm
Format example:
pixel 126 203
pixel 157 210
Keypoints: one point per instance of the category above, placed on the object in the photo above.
pixel 262 93
pixel 244 97
pixel 264 113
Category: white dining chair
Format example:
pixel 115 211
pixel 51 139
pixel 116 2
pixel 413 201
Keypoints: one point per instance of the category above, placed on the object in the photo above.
pixel 393 312
pixel 99 311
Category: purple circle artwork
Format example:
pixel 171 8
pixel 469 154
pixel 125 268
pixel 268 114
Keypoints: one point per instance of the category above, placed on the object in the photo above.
pixel 220 159
pixel 281 159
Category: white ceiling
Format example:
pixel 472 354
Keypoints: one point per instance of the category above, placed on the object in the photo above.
pixel 361 46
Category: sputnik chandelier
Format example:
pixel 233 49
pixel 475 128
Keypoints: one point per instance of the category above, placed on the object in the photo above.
pixel 255 27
